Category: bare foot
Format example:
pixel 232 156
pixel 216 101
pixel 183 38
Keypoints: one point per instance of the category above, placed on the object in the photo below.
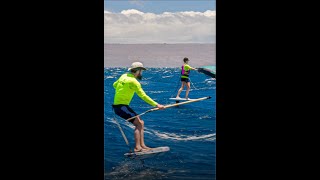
pixel 138 150
pixel 146 147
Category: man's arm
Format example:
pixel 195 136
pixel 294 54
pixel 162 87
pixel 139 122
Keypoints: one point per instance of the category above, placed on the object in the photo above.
pixel 115 84
pixel 189 67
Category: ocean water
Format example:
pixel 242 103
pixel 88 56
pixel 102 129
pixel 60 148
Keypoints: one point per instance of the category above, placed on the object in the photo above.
pixel 189 130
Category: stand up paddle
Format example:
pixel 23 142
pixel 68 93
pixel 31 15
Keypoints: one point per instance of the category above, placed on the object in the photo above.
pixel 171 105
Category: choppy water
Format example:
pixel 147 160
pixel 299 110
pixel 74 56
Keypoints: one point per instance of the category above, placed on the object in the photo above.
pixel 189 130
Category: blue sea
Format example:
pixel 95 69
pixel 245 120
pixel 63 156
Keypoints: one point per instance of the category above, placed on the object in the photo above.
pixel 189 130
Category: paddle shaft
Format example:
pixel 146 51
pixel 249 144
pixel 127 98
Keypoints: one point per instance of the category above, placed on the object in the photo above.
pixel 171 105
pixel 123 135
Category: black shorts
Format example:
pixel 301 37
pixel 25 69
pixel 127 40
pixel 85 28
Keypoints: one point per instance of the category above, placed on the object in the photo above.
pixel 124 111
pixel 185 80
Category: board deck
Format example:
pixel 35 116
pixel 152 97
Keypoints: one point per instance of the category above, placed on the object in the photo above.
pixel 181 99
pixel 152 151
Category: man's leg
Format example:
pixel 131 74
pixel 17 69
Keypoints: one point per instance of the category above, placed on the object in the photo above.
pixel 143 145
pixel 188 89
pixel 182 86
pixel 137 133
pixel 126 112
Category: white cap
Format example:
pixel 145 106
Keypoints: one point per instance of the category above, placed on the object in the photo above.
pixel 136 65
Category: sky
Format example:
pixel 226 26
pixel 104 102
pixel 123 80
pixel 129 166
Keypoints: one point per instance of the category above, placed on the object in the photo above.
pixel 159 21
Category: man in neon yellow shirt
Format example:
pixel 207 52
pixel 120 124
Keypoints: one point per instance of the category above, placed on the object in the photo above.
pixel 125 88
pixel 185 70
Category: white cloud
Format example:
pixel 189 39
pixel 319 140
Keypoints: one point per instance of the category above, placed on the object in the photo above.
pixel 131 11
pixel 133 26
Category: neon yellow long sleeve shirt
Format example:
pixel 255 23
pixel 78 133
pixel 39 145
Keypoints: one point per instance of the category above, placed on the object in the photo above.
pixel 125 88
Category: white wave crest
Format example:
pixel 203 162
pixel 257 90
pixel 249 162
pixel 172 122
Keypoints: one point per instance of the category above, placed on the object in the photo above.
pixel 173 136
